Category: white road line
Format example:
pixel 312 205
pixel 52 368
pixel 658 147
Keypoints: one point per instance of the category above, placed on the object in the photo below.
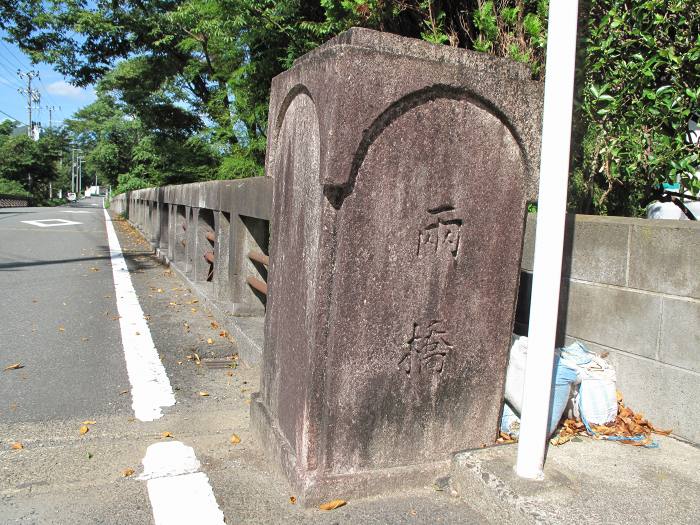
pixel 49 223
pixel 150 387
pixel 178 493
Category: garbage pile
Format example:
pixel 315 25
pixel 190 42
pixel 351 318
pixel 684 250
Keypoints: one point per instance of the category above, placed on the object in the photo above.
pixel 583 387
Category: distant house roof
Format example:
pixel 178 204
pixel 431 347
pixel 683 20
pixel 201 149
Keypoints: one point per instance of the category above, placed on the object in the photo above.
pixel 19 130
pixel 22 130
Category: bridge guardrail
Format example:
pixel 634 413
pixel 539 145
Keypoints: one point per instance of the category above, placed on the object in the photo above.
pixel 216 234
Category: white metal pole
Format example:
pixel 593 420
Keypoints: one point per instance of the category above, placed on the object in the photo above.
pixel 549 240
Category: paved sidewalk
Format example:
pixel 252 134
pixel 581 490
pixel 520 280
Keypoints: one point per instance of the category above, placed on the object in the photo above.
pixel 586 481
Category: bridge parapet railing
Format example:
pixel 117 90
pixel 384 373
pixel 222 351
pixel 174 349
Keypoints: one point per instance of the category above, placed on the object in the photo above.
pixel 216 234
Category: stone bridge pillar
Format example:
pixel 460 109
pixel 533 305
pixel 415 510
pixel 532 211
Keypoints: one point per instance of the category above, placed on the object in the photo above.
pixel 401 176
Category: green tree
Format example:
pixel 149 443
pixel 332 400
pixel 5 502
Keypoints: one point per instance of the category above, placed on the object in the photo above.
pixel 188 81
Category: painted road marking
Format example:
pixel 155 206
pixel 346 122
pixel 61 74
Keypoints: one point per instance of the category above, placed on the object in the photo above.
pixel 45 223
pixel 75 211
pixel 178 492
pixel 150 387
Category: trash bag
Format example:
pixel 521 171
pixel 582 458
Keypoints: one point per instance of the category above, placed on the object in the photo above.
pixel 510 422
pixel 596 400
pixel 563 377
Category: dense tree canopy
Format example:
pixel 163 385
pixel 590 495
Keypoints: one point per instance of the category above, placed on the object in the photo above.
pixel 28 166
pixel 183 86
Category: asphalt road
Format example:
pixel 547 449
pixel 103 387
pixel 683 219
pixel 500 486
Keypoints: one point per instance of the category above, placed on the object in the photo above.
pixel 57 315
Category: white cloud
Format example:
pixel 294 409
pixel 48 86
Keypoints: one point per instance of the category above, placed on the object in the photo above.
pixel 64 89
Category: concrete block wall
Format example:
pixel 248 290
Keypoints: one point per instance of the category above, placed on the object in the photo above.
pixel 631 289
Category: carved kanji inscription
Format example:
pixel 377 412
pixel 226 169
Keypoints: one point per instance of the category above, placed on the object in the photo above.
pixel 426 349
pixel 441 235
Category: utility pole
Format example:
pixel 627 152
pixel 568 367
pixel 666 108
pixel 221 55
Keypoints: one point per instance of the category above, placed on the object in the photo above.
pixel 33 96
pixel 51 110
pixel 81 159
pixel 72 170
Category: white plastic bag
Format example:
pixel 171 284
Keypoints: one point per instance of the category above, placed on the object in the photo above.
pixel 596 400
pixel 563 377
pixel 515 376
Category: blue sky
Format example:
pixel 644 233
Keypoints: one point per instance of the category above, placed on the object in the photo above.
pixel 54 89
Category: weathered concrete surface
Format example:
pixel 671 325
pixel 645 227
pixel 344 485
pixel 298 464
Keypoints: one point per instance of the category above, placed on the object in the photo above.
pixel 586 482
pixel 390 311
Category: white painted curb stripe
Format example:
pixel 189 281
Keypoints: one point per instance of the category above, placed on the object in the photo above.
pixel 184 498
pixel 150 387
pixel 169 458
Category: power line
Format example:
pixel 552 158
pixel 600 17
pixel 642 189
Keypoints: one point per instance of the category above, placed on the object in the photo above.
pixel 12 76
pixel 10 82
pixel 13 118
pixel 9 63
pixel 9 52
pixel 48 94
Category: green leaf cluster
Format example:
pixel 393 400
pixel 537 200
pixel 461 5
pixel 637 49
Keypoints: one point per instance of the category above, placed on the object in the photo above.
pixel 639 83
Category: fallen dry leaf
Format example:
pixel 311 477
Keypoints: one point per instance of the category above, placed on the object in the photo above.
pixel 14 366
pixel 214 325
pixel 210 341
pixel 204 394
pixel 89 422
pixel 292 500
pixel 159 290
pixel 235 440
pixel 194 310
pixel 127 472
pixel 166 435
pixel 332 504
pixel 93 269
pixel 123 392
pixel 84 430
pixel 223 333
pixel 61 329
pixel 17 445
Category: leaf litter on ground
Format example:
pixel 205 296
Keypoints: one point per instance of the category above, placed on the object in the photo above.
pixel 627 424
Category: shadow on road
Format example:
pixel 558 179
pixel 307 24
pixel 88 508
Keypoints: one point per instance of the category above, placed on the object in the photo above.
pixel 23 264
